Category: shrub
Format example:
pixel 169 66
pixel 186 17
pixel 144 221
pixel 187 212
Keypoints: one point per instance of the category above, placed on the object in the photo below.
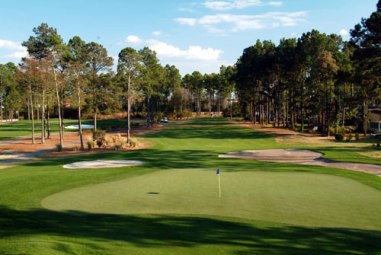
pixel 357 136
pixel 100 137
pixel 90 145
pixel 339 137
pixel 349 137
pixel 133 142
pixel 117 147
pixel 59 147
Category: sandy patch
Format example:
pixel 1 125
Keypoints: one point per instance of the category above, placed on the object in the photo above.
pixel 305 157
pixel 276 155
pixel 103 164
pixel 372 154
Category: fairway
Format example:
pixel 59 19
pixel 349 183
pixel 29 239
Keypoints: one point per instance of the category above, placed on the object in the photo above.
pixel 170 204
pixel 304 199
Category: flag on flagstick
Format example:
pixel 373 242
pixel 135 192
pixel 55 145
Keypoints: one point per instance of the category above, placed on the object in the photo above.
pixel 219 182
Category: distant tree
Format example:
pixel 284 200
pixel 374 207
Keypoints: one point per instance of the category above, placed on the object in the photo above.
pixel 196 86
pixel 97 61
pixel 366 39
pixel 76 59
pixel 46 45
pixel 10 97
pixel 151 82
pixel 129 66
pixel 30 76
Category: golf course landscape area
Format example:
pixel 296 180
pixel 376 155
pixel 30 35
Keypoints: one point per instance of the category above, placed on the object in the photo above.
pixel 171 204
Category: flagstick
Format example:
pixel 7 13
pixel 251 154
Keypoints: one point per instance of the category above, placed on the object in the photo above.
pixel 219 185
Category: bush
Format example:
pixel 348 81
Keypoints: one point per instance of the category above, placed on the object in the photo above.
pixel 133 142
pixel 349 137
pixel 117 147
pixel 59 147
pixel 357 136
pixel 100 137
pixel 90 145
pixel 339 137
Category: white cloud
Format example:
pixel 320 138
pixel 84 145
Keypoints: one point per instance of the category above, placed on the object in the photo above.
pixel 17 54
pixel 156 33
pixel 235 23
pixel 133 39
pixel 276 3
pixel 192 53
pixel 10 45
pixel 187 21
pixel 12 49
pixel 343 32
pixel 232 4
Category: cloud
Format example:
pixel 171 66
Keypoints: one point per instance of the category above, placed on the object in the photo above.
pixel 186 21
pixel 13 49
pixel 17 54
pixel 276 3
pixel 186 59
pixel 191 53
pixel 156 33
pixel 343 32
pixel 10 45
pixel 235 23
pixel 233 4
pixel 133 39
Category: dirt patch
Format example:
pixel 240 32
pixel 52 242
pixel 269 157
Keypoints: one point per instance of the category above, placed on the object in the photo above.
pixel 293 138
pixel 20 147
pixel 24 144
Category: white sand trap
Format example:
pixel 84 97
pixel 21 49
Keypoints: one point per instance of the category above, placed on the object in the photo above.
pixel 103 164
pixel 305 157
pixel 276 155
pixel 76 127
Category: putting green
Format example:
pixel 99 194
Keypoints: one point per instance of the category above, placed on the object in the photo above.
pixel 294 198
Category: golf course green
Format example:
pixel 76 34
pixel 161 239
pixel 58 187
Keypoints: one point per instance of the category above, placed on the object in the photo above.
pixel 171 203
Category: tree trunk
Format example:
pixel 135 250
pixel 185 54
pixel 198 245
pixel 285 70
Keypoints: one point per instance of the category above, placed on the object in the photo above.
pixel 48 121
pixel 43 117
pixel 129 109
pixel 365 117
pixel 210 103
pixel 79 116
pixel 31 111
pixel 59 109
pixel 28 106
pixel 95 110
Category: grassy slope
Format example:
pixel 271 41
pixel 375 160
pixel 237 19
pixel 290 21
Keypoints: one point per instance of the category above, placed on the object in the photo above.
pixel 26 228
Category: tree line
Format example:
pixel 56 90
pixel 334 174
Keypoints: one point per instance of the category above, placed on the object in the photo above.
pixel 316 80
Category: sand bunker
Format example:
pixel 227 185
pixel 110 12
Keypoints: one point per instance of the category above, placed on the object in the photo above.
pixel 103 164
pixel 305 157
pixel 277 155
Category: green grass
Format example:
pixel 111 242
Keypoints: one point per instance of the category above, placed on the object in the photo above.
pixel 248 195
pixel 266 208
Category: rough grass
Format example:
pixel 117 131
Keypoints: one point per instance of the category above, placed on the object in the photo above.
pixel 27 228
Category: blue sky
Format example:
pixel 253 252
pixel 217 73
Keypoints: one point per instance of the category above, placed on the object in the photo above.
pixel 193 35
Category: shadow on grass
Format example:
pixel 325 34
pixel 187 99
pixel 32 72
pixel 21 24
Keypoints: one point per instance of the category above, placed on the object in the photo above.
pixel 168 159
pixel 209 132
pixel 177 231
